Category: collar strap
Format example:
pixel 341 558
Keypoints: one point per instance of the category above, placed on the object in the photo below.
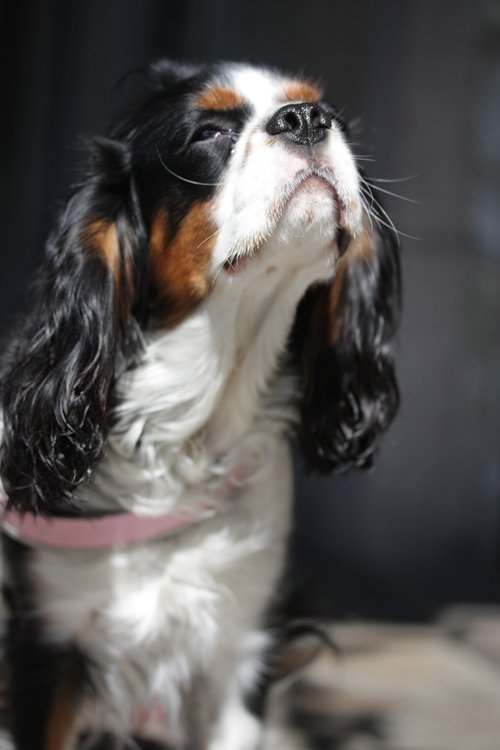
pixel 97 533
pixel 113 530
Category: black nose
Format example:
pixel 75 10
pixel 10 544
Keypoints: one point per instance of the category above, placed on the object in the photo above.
pixel 301 123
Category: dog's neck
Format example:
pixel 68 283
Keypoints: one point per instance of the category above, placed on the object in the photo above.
pixel 207 394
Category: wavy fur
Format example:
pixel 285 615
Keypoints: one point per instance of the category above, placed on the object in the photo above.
pixel 343 338
pixel 61 367
pixel 161 369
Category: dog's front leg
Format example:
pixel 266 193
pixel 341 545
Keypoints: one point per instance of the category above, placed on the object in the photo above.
pixel 44 680
pixel 43 700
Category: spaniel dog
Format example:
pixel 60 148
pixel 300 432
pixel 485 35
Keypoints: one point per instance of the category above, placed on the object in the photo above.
pixel 221 282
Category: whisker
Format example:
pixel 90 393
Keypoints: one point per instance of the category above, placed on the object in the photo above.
pixel 378 212
pixel 185 179
pixel 367 193
pixel 396 179
pixel 367 210
pixel 394 195
pixel 209 237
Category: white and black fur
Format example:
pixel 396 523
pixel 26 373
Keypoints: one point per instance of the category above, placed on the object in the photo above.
pixel 215 286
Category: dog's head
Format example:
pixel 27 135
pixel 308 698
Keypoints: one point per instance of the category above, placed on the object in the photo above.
pixel 220 182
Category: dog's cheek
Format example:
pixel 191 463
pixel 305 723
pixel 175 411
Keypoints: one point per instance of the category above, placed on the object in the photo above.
pixel 180 263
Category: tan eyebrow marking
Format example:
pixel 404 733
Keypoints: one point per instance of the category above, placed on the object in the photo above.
pixel 300 91
pixel 219 97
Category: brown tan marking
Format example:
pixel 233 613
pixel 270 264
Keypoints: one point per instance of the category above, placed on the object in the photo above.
pixel 62 719
pixel 180 263
pixel 102 236
pixel 327 315
pixel 360 250
pixel 300 91
pixel 219 98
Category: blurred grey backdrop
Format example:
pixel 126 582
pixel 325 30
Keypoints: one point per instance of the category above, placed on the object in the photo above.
pixel 423 80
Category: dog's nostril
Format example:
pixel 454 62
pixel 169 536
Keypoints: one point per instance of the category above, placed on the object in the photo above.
pixel 292 121
pixel 319 118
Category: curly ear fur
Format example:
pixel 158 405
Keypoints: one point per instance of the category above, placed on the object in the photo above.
pixel 58 376
pixel 342 339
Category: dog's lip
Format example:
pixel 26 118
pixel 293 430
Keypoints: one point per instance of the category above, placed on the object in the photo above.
pixel 313 177
pixel 236 265
pixel 322 175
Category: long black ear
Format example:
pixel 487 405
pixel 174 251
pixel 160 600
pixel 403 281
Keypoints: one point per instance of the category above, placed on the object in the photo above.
pixel 59 371
pixel 343 343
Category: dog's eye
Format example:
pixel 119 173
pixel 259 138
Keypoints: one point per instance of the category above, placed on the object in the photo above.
pixel 206 134
pixel 212 133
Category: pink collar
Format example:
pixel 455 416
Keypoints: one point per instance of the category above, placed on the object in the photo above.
pixel 113 530
pixel 96 533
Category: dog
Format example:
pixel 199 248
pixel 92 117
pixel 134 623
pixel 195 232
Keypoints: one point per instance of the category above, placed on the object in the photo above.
pixel 222 283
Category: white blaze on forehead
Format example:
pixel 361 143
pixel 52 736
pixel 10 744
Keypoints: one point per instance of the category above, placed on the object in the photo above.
pixel 261 88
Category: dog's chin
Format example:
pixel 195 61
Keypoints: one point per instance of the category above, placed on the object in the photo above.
pixel 308 217
pixel 311 209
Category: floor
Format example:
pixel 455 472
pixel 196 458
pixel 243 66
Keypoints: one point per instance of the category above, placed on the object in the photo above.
pixel 401 688
pixel 391 687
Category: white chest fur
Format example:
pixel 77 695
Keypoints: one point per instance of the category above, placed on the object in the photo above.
pixel 164 616
pixel 161 619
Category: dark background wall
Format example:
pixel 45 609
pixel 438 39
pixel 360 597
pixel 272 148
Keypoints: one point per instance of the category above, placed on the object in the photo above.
pixel 423 530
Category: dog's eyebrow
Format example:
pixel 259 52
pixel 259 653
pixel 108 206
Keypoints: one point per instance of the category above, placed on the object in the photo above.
pixel 301 91
pixel 220 98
